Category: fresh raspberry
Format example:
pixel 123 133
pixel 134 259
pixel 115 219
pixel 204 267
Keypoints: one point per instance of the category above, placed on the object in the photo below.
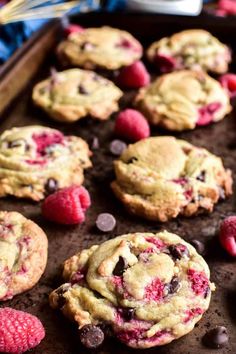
pixel 67 206
pixel 228 81
pixel 228 235
pixel 199 282
pixel 132 125
pixel 165 63
pixel 73 29
pixel 206 113
pixel 229 6
pixel 19 331
pixel 134 76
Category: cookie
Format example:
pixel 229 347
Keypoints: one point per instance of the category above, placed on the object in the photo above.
pixel 149 288
pixel 183 100
pixel 190 49
pixel 23 254
pixel 72 94
pixel 36 161
pixel 105 47
pixel 160 178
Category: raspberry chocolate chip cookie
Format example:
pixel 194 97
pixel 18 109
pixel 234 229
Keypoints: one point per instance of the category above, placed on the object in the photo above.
pixel 72 94
pixel 23 254
pixel 148 288
pixel 161 177
pixel 183 100
pixel 103 47
pixel 36 161
pixel 190 49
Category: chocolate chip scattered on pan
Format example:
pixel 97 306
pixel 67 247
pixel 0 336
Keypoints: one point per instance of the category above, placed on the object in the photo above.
pixel 117 147
pixel 91 336
pixel 200 247
pixel 95 143
pixel 105 222
pixel 216 338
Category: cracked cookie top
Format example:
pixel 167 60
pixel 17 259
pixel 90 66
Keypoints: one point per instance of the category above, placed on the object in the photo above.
pixel 161 177
pixel 150 288
pixel 103 47
pixel 31 160
pixel 190 49
pixel 72 94
pixel 183 100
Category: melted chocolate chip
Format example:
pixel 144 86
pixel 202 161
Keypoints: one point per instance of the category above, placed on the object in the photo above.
pixel 132 159
pixel 173 286
pixel 178 251
pixel 105 222
pixel 202 176
pixel 91 336
pixel 82 90
pixel 60 298
pixel 16 143
pixel 120 267
pixel 117 147
pixel 51 185
pixel 200 247
pixel 207 292
pixel 216 338
pixel 126 313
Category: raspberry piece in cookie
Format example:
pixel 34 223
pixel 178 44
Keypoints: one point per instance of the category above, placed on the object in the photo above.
pixel 194 49
pixel 132 125
pixel 70 95
pixel 228 81
pixel 67 206
pixel 23 254
pixel 183 100
pixel 31 160
pixel 134 76
pixel 228 235
pixel 160 178
pixel 72 28
pixel 19 331
pixel 145 301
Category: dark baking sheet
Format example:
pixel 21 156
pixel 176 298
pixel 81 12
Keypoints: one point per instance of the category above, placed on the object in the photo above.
pixel 61 337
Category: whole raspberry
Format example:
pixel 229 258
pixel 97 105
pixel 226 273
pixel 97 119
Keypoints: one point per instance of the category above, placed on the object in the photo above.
pixel 67 206
pixel 132 125
pixel 19 331
pixel 73 29
pixel 134 76
pixel 228 81
pixel 227 235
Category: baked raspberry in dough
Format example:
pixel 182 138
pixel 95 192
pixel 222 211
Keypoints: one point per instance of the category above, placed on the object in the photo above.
pixel 190 49
pixel 183 100
pixel 104 47
pixel 70 95
pixel 149 288
pixel 36 161
pixel 161 177
pixel 23 254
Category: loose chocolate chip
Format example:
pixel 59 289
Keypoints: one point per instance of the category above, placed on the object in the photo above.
pixel 95 143
pixel 200 247
pixel 126 313
pixel 202 176
pixel 117 147
pixel 216 338
pixel 120 267
pixel 132 159
pixel 178 251
pixel 91 336
pixel 51 185
pixel 173 286
pixel 82 90
pixel 105 222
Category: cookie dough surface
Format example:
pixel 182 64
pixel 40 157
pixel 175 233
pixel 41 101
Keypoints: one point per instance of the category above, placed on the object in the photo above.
pixel 161 177
pixel 70 95
pixel 23 254
pixel 149 288
pixel 183 100
pixel 36 161
pixel 190 49
pixel 103 47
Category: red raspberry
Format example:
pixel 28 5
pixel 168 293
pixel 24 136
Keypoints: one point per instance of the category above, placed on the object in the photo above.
pixel 19 331
pixel 228 81
pixel 132 125
pixel 73 29
pixel 67 206
pixel 229 6
pixel 134 76
pixel 228 235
